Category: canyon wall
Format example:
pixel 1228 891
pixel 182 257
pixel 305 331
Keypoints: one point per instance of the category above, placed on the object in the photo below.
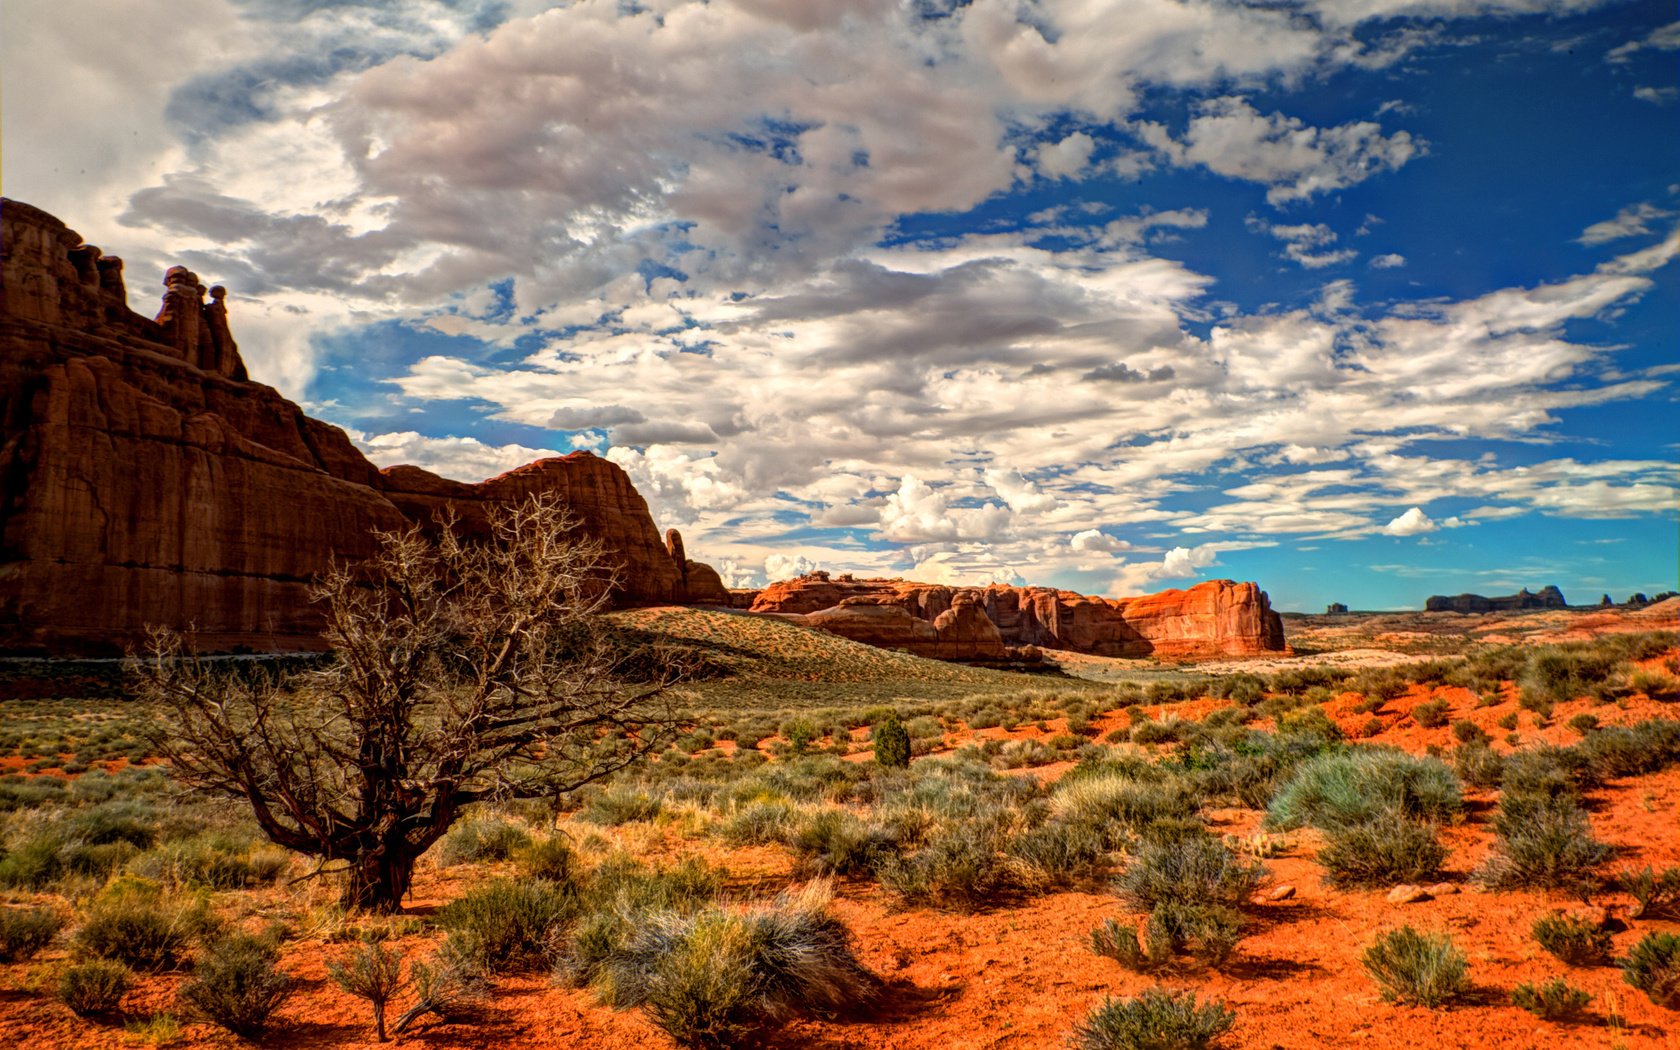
pixel 145 480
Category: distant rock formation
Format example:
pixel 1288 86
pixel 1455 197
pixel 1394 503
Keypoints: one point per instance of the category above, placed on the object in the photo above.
pixel 1217 618
pixel 145 480
pixel 1548 598
pixel 1335 608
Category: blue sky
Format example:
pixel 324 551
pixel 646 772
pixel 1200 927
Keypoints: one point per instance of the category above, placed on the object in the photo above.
pixel 1363 300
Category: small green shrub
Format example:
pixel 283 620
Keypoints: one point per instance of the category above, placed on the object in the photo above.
pixel 135 925
pixel 1059 854
pixel 760 823
pixel 1478 765
pixel 1572 939
pixel 237 985
pixel 1192 869
pixel 1207 933
pixel 1156 1019
pixel 509 927
pixel 1411 967
pixel 1432 714
pixel 94 988
pixel 1656 894
pixel 1556 1000
pixel 892 743
pixel 835 842
pixel 1548 845
pixel 621 804
pixel 551 860
pixel 372 972
pixel 24 932
pixel 1386 850
pixel 479 839
pixel 34 864
pixel 721 978
pixel 1352 786
pixel 1115 940
pixel 957 869
pixel 1653 967
pixel 1468 732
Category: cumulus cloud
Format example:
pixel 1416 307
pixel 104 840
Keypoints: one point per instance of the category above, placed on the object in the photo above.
pixel 1664 38
pixel 1389 261
pixel 1097 541
pixel 1066 158
pixel 1178 563
pixel 778 566
pixel 1298 161
pixel 1411 523
pixel 1306 243
pixel 458 458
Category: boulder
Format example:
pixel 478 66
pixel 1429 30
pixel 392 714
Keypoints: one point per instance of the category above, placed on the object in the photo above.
pixel 144 480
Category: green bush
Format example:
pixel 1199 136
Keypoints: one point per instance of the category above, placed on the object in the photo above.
pixel 1584 723
pixel 1432 714
pixel 1478 765
pixel 1113 802
pixel 621 804
pixel 1656 894
pixel 94 988
pixel 551 860
pixel 835 842
pixel 892 743
pixel 24 932
pixel 1412 967
pixel 372 972
pixel 237 985
pixel 1385 850
pixel 760 823
pixel 957 869
pixel 34 864
pixel 1468 732
pixel 1556 1000
pixel 478 839
pixel 1207 933
pixel 1352 786
pixel 720 978
pixel 1190 869
pixel 1119 942
pixel 1548 845
pixel 1573 939
pixel 1156 1019
pixel 1059 854
pixel 1653 967
pixel 509 927
pixel 135 925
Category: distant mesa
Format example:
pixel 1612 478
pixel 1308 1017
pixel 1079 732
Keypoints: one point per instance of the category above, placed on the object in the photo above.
pixel 1547 598
pixel 144 479
pixel 1217 618
pixel 1335 608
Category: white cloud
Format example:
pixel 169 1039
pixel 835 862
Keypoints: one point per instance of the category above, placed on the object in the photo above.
pixel 1390 261
pixel 1229 136
pixel 1412 523
pixel 1067 158
pixel 1657 96
pixel 1632 221
pixel 1095 540
pixel 1178 563
pixel 1664 38
pixel 778 566
pixel 459 458
pixel 1306 243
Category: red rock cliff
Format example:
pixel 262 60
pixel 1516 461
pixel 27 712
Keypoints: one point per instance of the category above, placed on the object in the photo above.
pixel 1217 618
pixel 144 480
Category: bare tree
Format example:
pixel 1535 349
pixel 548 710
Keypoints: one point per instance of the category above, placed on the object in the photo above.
pixel 459 671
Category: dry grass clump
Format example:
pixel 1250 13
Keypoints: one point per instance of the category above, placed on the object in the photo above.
pixel 1155 1019
pixel 237 984
pixel 1572 939
pixel 1416 968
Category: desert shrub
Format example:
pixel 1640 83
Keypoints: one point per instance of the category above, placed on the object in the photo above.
pixel 1468 732
pixel 1619 751
pixel 24 932
pixel 372 972
pixel 237 985
pixel 1656 894
pixel 94 988
pixel 1431 714
pixel 1508 720
pixel 481 839
pixel 760 823
pixel 447 987
pixel 958 868
pixel 892 743
pixel 1573 939
pixel 799 734
pixel 1207 933
pixel 618 896
pixel 551 860
pixel 1548 845
pixel 1352 786
pixel 110 822
pixel 1556 674
pixel 621 804
pixel 1116 802
pixel 836 842
pixel 135 925
pixel 1556 1000
pixel 1155 1019
pixel 1383 851
pixel 1060 854
pixel 1166 731
pixel 1415 968
pixel 34 864
pixel 719 978
pixel 1583 723
pixel 1190 869
pixel 1115 940
pixel 1653 967
pixel 1653 684
pixel 509 927
pixel 1478 765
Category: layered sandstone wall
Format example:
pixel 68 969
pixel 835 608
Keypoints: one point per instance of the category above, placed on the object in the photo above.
pixel 1217 618
pixel 144 480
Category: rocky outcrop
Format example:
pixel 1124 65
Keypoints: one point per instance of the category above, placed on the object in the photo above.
pixel 1218 618
pixel 144 480
pixel 1548 598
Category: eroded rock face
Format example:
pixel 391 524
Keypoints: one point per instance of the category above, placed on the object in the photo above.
pixel 1548 598
pixel 144 480
pixel 1217 618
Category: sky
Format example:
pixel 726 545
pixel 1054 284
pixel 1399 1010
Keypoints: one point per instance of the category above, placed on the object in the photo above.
pixel 1364 300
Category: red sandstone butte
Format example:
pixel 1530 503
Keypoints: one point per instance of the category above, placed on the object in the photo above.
pixel 1216 618
pixel 145 480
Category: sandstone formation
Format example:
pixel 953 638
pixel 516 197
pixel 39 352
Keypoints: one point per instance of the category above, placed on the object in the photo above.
pixel 1217 618
pixel 145 480
pixel 1548 598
